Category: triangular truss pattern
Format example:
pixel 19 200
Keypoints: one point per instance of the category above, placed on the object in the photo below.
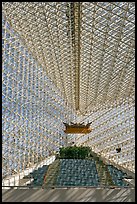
pixel 76 59
pixel 102 66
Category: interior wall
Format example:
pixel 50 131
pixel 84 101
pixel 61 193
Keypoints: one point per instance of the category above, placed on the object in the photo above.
pixel 113 127
pixel 33 110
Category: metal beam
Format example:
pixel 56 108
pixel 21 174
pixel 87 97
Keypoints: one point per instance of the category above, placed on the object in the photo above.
pixel 75 22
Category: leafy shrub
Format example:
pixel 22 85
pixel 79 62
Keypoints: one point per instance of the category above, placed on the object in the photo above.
pixel 74 152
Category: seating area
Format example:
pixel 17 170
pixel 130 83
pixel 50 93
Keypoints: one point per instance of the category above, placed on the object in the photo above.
pixel 74 172
pixel 77 172
pixel 117 176
pixel 38 176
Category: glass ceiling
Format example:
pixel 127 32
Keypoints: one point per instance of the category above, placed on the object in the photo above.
pixel 87 49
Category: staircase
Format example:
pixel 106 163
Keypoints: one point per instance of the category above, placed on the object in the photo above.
pixel 51 175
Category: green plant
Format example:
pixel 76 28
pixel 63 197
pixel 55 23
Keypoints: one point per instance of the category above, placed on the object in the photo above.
pixel 72 152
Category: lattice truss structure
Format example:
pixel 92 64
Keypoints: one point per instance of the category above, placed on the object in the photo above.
pixel 60 58
pixel 33 109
